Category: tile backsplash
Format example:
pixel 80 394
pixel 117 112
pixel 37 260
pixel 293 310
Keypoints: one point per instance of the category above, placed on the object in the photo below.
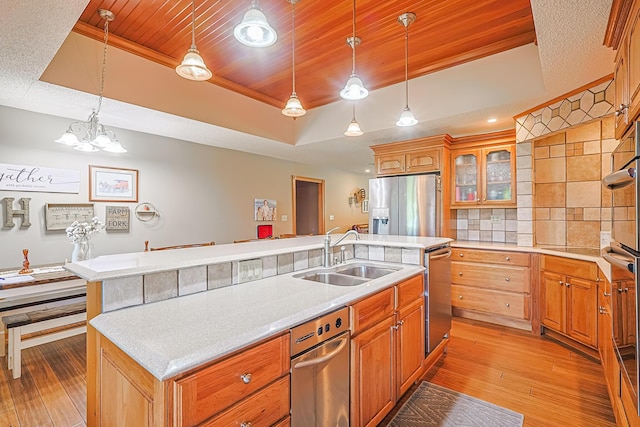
pixel 487 225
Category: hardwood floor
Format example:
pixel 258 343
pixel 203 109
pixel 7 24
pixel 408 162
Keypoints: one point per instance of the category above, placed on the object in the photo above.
pixel 549 384
pixel 546 382
pixel 52 388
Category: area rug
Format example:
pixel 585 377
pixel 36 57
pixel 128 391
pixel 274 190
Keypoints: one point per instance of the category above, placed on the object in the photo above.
pixel 433 405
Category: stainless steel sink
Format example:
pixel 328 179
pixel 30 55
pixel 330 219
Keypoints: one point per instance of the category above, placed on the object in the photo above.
pixel 332 278
pixel 347 275
pixel 366 270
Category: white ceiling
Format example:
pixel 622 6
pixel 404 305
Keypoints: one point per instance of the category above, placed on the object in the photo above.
pixel 457 101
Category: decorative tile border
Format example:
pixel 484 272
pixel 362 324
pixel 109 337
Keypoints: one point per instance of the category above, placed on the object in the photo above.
pixel 593 103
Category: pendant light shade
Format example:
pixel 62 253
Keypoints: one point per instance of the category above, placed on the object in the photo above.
pixel 294 106
pixel 354 89
pixel 406 117
pixel 354 128
pixel 254 30
pixel 192 66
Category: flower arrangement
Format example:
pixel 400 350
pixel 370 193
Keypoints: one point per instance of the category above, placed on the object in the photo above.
pixel 79 231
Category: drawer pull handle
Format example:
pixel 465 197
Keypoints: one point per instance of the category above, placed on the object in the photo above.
pixel 460 296
pixel 461 255
pixel 507 305
pixel 507 279
pixel 246 424
pixel 606 294
pixel 460 273
pixel 602 310
pixel 508 259
pixel 246 378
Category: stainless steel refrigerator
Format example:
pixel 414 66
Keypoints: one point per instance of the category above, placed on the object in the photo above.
pixel 405 205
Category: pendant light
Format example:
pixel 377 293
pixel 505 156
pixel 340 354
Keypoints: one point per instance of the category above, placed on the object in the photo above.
pixel 294 106
pixel 254 30
pixel 95 137
pixel 354 127
pixel 406 117
pixel 354 89
pixel 192 66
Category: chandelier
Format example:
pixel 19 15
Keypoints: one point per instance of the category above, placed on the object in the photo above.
pixel 406 117
pixel 192 66
pixel 293 108
pixel 254 30
pixel 91 135
pixel 354 89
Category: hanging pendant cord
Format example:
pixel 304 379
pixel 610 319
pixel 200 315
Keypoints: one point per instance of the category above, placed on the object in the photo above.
pixel 353 40
pixel 406 63
pixel 293 46
pixel 193 25
pixel 104 64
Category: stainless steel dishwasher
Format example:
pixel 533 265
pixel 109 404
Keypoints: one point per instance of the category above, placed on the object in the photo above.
pixel 320 371
pixel 437 294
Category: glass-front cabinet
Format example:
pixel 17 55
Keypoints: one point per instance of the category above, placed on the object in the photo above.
pixel 483 177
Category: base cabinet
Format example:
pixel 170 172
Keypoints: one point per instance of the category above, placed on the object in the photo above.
pixel 387 349
pixel 568 300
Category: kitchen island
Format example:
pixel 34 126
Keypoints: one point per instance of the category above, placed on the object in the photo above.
pixel 171 338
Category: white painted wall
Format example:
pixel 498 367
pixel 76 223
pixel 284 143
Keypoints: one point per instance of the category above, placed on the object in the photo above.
pixel 202 193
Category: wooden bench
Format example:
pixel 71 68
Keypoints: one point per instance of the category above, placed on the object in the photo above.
pixel 37 327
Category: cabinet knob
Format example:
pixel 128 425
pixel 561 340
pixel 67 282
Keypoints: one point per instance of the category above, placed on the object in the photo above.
pixel 460 296
pixel 560 282
pixel 246 378
pixel 508 258
pixel 461 255
pixel 507 279
pixel 246 424
pixel 567 284
pixel 507 305
pixel 621 109
pixel 602 310
pixel 620 290
pixel 460 273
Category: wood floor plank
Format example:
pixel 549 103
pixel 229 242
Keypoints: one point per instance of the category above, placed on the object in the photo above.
pixel 58 403
pixel 29 407
pixel 9 418
pixel 551 385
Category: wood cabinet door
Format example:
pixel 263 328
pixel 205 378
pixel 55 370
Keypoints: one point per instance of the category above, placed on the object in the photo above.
pixel 633 66
pixel 552 301
pixel 410 344
pixel 621 93
pixel 582 309
pixel 628 312
pixel 465 167
pixel 390 164
pixel 498 176
pixel 373 381
pixel 423 161
pixel 605 340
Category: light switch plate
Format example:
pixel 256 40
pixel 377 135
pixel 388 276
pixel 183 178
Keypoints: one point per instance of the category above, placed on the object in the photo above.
pixel 495 219
pixel 605 239
pixel 250 269
pixel 284 218
pixel 331 218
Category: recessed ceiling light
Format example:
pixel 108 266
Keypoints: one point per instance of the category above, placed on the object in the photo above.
pixel 367 170
pixel 492 120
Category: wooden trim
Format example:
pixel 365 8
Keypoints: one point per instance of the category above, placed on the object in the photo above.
pixel 418 144
pixel 618 17
pixel 535 294
pixel 566 95
pixel 320 182
pixel 570 343
pixel 502 137
pixel 126 45
pixel 435 355
pixel 94 307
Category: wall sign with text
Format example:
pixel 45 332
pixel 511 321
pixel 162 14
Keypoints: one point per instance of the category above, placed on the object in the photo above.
pixel 117 218
pixel 37 178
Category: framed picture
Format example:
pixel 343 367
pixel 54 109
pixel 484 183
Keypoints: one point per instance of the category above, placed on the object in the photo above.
pixel 265 209
pixel 112 184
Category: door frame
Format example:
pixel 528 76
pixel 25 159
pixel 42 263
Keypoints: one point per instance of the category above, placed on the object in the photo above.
pixel 320 182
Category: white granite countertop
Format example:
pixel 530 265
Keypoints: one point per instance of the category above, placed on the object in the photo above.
pixel 174 336
pixel 136 263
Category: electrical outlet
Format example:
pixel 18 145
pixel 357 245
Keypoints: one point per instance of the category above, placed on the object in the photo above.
pixel 250 269
pixel 495 219
pixel 605 239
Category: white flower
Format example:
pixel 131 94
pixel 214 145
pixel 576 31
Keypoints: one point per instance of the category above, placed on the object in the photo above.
pixel 79 231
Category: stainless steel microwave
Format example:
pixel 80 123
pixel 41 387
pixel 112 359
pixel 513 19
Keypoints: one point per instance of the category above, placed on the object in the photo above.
pixel 625 162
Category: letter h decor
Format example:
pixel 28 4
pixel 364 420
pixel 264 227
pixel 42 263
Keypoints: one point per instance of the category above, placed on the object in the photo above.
pixel 10 213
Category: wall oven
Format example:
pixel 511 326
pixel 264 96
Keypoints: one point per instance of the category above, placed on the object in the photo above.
pixel 624 255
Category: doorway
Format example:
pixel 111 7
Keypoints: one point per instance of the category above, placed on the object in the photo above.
pixel 308 206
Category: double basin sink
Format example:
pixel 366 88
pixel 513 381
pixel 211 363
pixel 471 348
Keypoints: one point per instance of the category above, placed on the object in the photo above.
pixel 347 275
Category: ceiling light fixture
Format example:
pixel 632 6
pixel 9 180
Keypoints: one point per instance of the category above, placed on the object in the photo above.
pixel 254 30
pixel 192 66
pixel 294 106
pixel 406 117
pixel 94 135
pixel 492 120
pixel 354 127
pixel 354 89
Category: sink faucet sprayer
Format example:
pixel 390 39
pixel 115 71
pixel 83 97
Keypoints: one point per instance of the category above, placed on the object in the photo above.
pixel 328 245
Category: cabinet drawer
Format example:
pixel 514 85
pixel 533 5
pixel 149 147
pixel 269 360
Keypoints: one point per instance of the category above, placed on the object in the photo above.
pixel 488 301
pixel 409 291
pixel 571 267
pixel 371 310
pixel 262 409
pixel 212 389
pixel 490 257
pixel 512 279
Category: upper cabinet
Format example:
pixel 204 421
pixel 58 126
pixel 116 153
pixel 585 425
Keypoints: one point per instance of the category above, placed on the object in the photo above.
pixel 623 34
pixel 483 171
pixel 422 155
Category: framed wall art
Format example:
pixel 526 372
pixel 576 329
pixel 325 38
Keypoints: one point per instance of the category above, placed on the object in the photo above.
pixel 265 209
pixel 112 184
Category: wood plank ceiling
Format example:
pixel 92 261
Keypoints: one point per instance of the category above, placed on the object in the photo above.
pixel 446 33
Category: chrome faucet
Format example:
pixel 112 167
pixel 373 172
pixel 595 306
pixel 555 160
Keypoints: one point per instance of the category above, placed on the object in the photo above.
pixel 328 244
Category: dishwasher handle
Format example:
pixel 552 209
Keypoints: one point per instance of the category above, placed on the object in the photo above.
pixel 447 254
pixel 324 358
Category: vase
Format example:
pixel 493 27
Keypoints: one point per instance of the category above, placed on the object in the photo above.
pixel 81 251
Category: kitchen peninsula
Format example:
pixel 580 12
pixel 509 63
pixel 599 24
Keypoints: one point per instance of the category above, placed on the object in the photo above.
pixel 150 348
